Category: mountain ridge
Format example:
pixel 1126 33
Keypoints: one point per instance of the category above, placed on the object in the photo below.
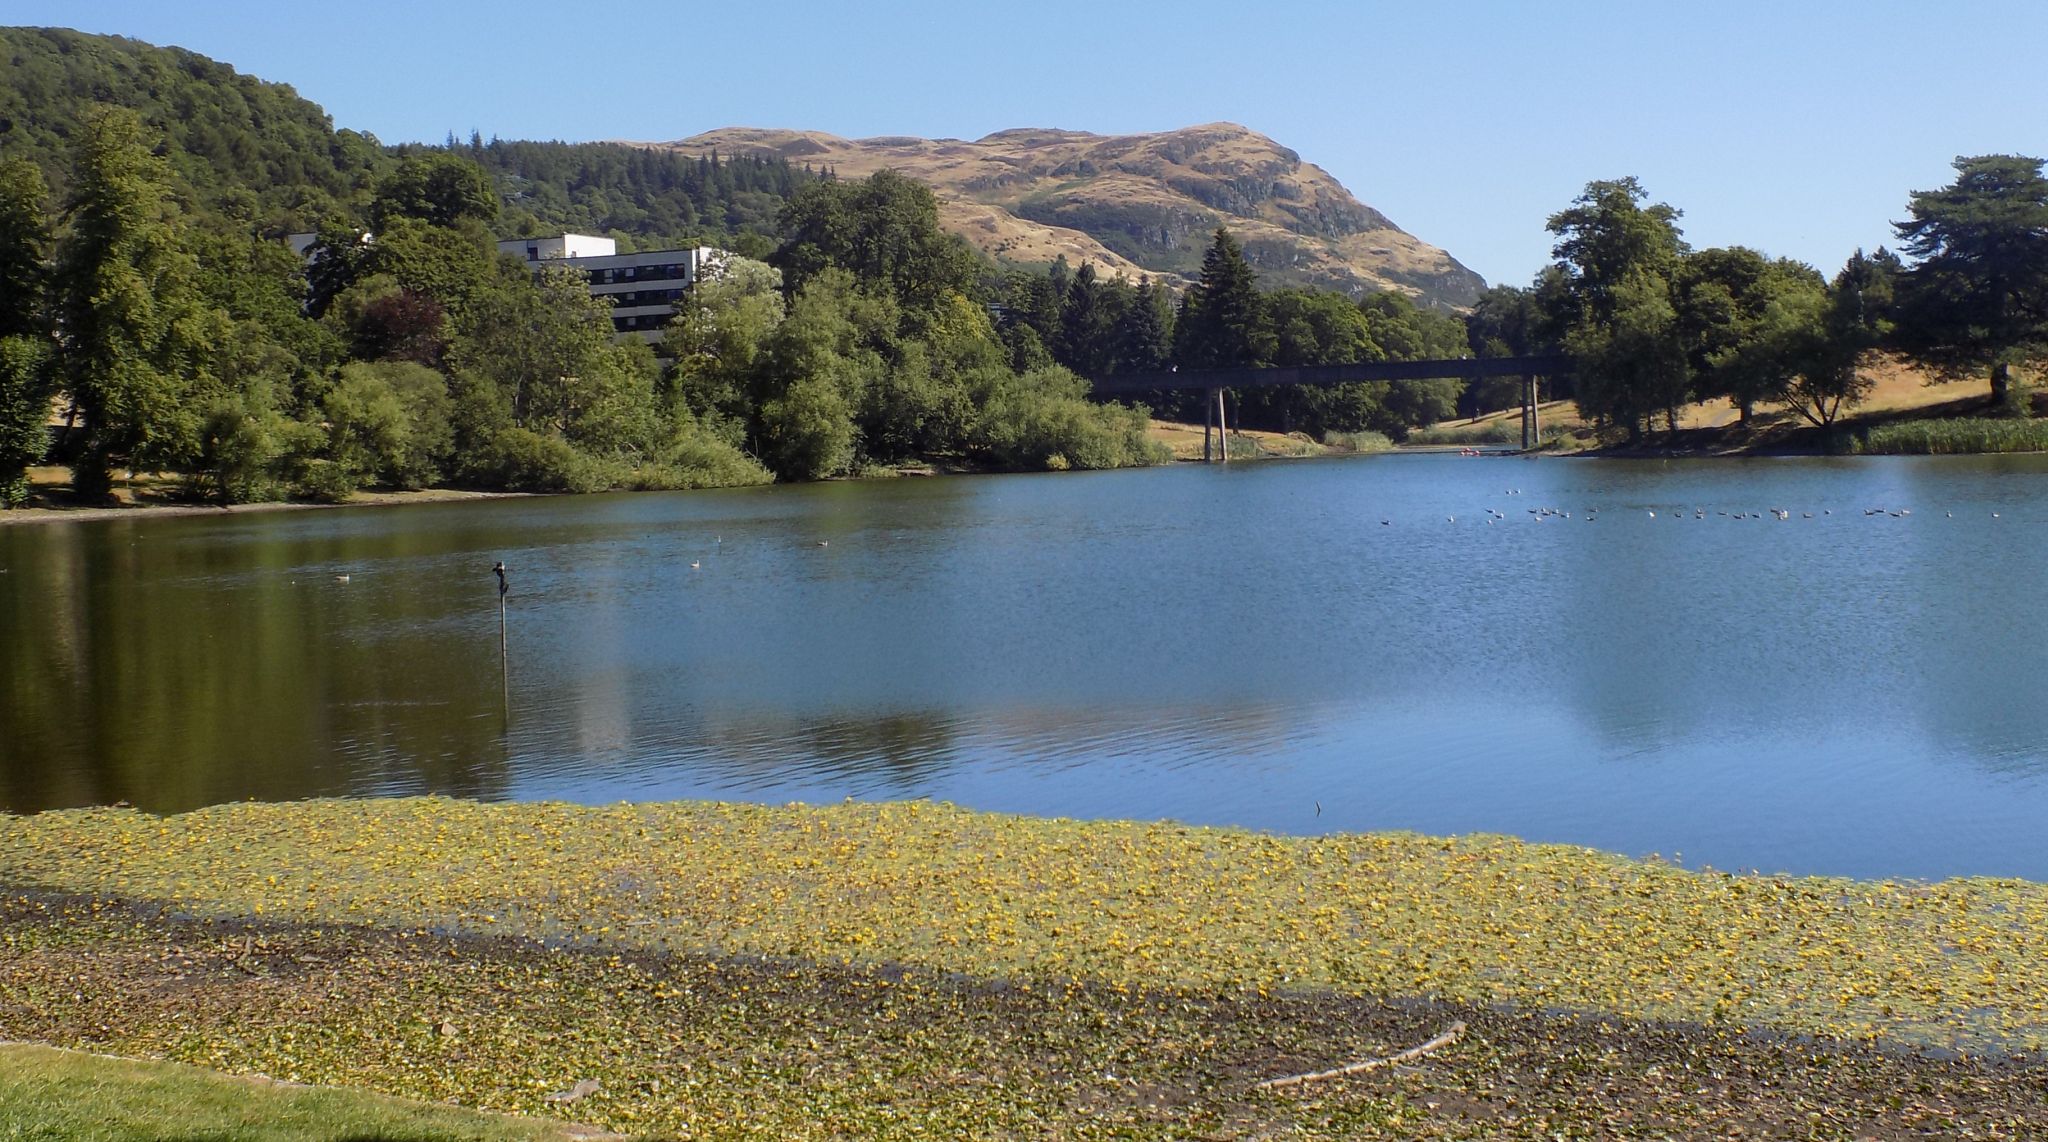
pixel 1137 204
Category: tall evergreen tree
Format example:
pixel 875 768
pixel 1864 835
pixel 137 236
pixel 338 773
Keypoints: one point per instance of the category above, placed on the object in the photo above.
pixel 1143 336
pixel 1223 322
pixel 1088 322
pixel 1978 295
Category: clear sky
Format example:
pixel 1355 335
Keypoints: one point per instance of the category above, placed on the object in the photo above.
pixel 1795 126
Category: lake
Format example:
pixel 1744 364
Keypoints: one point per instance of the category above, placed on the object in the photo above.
pixel 1311 646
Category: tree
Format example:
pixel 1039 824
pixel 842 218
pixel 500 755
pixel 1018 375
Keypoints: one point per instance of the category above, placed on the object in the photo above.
pixel 1977 296
pixel 885 229
pixel 1088 321
pixel 24 248
pixel 437 188
pixel 1750 324
pixel 132 341
pixel 1143 336
pixel 717 337
pixel 1856 319
pixel 1223 323
pixel 1616 258
pixel 24 330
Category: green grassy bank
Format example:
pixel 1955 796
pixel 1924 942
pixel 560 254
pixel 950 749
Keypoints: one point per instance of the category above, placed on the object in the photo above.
pixel 46 1093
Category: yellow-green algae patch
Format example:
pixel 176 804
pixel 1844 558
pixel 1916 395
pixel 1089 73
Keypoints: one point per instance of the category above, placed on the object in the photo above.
pixel 1960 963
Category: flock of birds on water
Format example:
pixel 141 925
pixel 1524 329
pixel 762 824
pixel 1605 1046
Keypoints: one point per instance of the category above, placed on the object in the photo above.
pixel 1590 515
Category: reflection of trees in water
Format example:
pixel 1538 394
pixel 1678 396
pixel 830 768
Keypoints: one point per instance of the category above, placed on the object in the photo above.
pixel 152 665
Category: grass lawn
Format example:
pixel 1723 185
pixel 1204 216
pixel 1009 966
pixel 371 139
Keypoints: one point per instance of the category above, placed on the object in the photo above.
pixel 53 1094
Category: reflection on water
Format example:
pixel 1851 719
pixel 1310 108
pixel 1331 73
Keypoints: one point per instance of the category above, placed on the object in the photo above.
pixel 1835 691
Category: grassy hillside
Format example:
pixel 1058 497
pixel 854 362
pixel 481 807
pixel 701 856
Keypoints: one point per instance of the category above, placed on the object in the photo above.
pixel 1146 201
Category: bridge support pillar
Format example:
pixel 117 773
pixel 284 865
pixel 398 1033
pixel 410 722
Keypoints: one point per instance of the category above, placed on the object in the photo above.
pixel 1532 430
pixel 1217 420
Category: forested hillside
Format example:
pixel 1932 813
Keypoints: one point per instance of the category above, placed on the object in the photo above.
pixel 255 152
pixel 236 144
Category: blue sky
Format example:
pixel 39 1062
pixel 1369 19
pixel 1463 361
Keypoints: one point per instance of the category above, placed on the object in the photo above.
pixel 1797 127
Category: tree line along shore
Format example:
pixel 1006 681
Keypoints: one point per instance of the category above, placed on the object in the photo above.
pixel 171 330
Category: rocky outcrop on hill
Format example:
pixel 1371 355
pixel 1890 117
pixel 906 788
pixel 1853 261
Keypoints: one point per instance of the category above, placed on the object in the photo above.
pixel 1139 204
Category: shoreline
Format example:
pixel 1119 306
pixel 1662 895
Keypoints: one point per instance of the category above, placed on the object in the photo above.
pixel 153 510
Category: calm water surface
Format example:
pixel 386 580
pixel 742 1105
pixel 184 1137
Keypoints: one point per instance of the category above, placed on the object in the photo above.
pixel 1844 693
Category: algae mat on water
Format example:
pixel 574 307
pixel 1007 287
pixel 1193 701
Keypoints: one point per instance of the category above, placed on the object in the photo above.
pixel 1960 964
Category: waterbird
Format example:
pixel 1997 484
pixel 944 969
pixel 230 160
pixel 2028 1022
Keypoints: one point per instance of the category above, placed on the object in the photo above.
pixel 1653 515
pixel 341 578
pixel 693 564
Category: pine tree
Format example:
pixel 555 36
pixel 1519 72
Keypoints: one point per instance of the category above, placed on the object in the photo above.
pixel 1223 321
pixel 1144 332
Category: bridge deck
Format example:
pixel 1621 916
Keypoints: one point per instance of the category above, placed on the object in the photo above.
pixel 1459 367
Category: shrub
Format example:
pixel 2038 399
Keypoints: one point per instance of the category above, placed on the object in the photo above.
pixel 1358 441
pixel 522 460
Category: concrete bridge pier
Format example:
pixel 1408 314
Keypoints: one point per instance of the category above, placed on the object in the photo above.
pixel 1216 419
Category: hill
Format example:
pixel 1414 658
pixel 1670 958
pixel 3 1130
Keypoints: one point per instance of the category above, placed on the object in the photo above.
pixel 1139 203
pixel 247 147
pixel 253 151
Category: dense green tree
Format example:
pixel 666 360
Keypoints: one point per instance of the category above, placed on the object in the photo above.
pixel 1976 297
pixel 1749 323
pixel 717 339
pixel 24 247
pixel 24 328
pixel 24 410
pixel 883 229
pixel 1143 336
pixel 1632 362
pixel 1855 320
pixel 1088 320
pixel 1223 323
pixel 1616 258
pixel 436 188
pixel 1506 322
pixel 390 422
pixel 134 344
pixel 542 342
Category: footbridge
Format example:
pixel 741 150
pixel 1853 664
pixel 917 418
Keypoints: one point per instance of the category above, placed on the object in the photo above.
pixel 1216 381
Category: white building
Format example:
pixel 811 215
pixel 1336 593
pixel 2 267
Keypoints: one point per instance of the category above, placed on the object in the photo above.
pixel 641 288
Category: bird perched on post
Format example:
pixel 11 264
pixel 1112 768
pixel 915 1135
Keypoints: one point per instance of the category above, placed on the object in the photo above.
pixel 498 569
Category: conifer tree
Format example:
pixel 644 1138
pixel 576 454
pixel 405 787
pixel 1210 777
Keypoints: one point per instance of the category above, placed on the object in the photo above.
pixel 1223 322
